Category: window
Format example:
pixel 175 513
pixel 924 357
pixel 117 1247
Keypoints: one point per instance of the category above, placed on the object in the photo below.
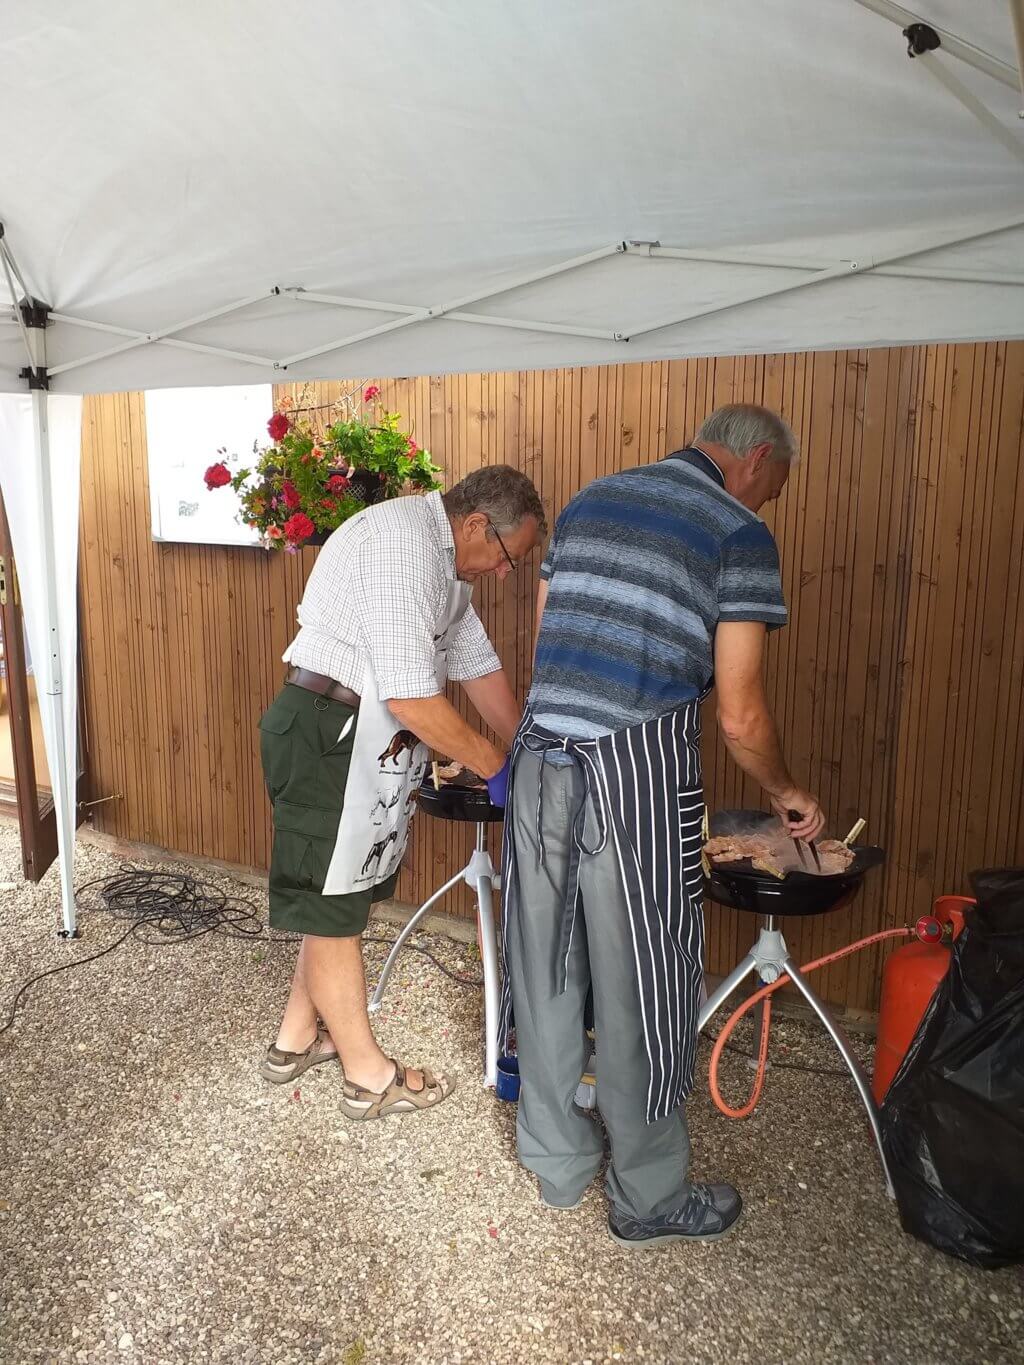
pixel 185 429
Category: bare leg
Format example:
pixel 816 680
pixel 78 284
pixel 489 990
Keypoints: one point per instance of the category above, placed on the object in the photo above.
pixel 298 1026
pixel 336 986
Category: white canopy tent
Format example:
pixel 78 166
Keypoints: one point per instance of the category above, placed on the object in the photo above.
pixel 239 191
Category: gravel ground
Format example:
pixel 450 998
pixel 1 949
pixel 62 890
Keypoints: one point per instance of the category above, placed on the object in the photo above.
pixel 160 1203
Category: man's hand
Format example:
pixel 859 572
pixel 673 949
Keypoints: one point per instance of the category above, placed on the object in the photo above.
pixel 436 722
pixel 803 804
pixel 497 786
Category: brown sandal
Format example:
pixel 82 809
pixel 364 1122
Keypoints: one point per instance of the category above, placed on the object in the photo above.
pixel 280 1067
pixel 363 1105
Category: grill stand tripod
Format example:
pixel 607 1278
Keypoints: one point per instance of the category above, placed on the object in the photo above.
pixel 481 876
pixel 769 959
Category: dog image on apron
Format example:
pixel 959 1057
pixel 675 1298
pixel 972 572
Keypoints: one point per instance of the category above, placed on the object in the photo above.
pixel 385 772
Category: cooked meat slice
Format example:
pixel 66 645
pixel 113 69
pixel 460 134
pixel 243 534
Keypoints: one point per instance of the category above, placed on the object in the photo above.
pixel 834 856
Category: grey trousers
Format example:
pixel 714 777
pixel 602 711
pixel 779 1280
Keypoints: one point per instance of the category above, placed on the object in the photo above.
pixel 647 1174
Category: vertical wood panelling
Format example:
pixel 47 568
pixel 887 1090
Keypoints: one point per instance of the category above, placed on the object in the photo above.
pixel 898 685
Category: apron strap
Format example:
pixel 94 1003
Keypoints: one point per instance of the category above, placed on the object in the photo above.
pixel 536 741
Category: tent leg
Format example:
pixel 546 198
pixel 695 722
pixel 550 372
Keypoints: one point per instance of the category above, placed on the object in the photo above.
pixel 50 674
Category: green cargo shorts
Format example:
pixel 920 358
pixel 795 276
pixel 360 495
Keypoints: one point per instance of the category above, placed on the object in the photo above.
pixel 305 766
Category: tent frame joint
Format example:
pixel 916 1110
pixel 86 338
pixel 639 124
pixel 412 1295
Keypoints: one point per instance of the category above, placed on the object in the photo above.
pixel 36 378
pixel 921 38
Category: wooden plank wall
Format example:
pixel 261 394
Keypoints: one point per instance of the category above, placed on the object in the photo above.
pixel 898 685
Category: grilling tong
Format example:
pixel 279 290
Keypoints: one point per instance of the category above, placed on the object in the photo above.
pixel 804 846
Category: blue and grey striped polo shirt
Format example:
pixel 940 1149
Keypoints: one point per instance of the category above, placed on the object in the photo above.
pixel 641 568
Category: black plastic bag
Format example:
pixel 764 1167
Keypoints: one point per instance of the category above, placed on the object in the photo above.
pixel 953 1119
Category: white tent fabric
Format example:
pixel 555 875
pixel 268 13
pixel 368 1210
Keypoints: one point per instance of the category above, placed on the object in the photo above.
pixel 169 160
pixel 244 191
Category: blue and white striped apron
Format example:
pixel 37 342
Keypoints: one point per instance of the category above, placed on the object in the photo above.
pixel 645 782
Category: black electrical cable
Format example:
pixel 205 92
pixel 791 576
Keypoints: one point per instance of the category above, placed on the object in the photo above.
pixel 783 1066
pixel 181 909
pixel 177 908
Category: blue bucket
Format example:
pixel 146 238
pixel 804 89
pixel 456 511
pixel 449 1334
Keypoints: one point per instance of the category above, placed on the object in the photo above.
pixel 507 1085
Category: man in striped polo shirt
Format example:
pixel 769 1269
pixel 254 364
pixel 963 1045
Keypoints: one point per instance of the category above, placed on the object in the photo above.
pixel 659 582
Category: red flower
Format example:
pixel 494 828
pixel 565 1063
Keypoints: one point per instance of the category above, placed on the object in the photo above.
pixel 337 483
pixel 291 496
pixel 329 505
pixel 278 426
pixel 370 393
pixel 217 476
pixel 411 446
pixel 298 528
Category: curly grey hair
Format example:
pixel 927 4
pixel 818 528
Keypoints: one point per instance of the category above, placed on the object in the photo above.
pixel 741 426
pixel 505 496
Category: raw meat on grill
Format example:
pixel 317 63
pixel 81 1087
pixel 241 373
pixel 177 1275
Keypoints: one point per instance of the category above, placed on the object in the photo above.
pixel 731 848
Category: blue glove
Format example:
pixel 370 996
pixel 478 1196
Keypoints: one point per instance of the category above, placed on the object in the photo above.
pixel 497 786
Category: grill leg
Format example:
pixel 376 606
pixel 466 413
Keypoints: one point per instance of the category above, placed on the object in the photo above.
pixel 489 958
pixel 410 928
pixel 860 1080
pixel 769 959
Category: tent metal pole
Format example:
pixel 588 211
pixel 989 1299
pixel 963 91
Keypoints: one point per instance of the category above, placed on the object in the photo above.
pixel 488 319
pixel 1012 141
pixel 164 334
pixel 456 305
pixel 804 263
pixel 1017 16
pixel 7 261
pixel 1000 223
pixel 52 669
pixel 528 325
pixel 956 47
pixel 343 301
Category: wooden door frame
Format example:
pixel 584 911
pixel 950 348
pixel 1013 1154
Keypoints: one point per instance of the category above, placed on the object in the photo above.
pixel 37 821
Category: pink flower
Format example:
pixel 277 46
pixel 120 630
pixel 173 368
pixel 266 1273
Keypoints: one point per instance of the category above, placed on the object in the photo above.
pixel 278 426
pixel 274 532
pixel 411 446
pixel 317 453
pixel 370 393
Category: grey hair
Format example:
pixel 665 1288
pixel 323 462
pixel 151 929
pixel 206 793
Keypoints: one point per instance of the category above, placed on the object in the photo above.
pixel 505 496
pixel 741 426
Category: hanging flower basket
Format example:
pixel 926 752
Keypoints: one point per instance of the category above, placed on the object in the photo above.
pixel 314 476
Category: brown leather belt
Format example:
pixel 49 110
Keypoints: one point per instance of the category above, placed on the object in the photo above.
pixel 322 686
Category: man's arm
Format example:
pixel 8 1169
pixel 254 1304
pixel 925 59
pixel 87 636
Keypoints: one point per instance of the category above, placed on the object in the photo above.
pixel 748 727
pixel 542 597
pixel 495 703
pixel 436 722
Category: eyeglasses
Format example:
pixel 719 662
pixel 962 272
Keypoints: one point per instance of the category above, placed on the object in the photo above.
pixel 511 562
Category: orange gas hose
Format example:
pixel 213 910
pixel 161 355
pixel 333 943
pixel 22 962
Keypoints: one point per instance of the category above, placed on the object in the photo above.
pixel 765 994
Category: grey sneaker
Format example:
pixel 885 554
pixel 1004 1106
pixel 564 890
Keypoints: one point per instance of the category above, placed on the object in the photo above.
pixel 709 1213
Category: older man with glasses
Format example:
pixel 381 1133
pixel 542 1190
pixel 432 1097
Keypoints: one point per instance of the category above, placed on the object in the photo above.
pixel 385 622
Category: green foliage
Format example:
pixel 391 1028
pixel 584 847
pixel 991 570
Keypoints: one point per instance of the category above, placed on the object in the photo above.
pixel 305 472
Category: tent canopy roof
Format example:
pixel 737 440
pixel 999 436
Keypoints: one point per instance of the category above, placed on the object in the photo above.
pixel 167 161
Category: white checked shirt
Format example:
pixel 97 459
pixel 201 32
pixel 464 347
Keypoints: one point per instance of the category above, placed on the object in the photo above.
pixel 379 589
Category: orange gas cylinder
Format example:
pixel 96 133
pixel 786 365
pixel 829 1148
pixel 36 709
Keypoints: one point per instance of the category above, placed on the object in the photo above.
pixel 908 983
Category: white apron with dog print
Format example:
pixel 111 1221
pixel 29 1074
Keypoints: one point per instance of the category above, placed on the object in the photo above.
pixel 385 771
